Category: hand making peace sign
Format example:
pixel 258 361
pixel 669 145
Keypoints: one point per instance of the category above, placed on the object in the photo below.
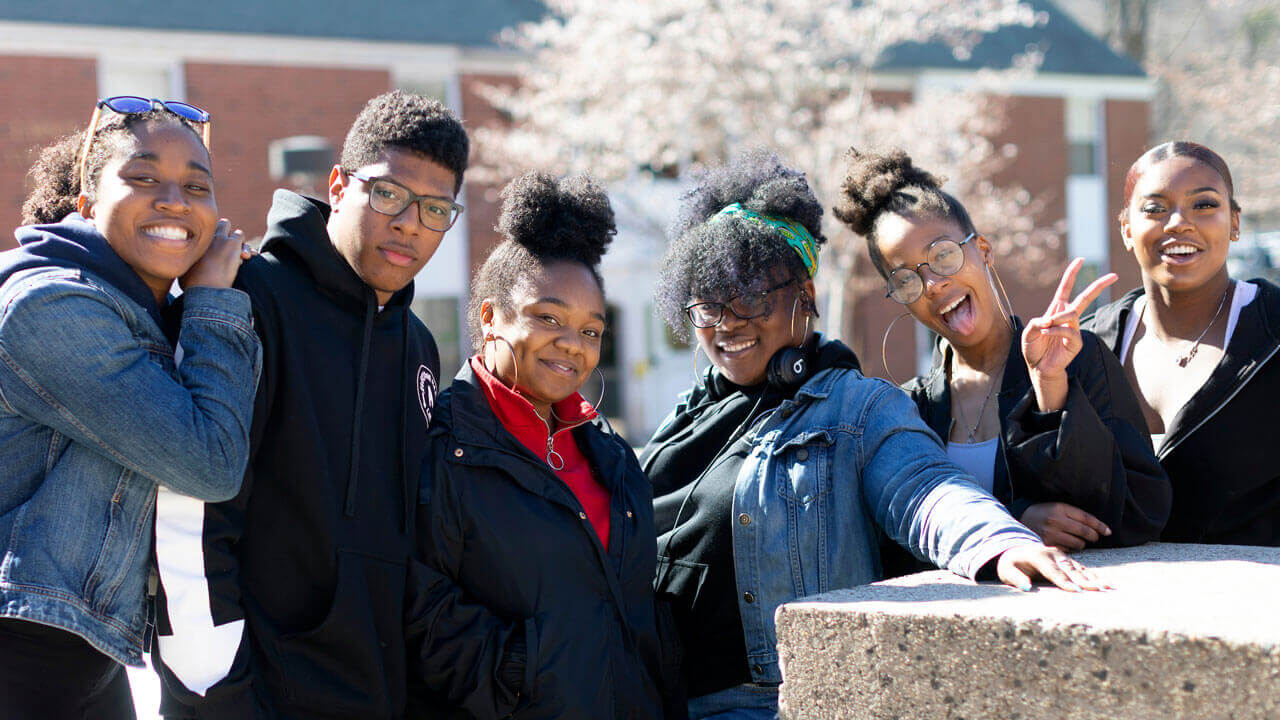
pixel 1050 342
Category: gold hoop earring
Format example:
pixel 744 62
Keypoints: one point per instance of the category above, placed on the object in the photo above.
pixel 697 376
pixel 884 360
pixel 1002 296
pixel 515 369
pixel 807 316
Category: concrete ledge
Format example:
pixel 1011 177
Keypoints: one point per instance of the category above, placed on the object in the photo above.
pixel 1191 631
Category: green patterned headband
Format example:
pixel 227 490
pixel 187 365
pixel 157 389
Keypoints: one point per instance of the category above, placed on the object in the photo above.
pixel 793 232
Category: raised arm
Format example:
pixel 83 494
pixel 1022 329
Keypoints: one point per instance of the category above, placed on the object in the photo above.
pixel 69 360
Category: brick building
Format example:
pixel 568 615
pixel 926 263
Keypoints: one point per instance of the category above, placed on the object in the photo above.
pixel 283 80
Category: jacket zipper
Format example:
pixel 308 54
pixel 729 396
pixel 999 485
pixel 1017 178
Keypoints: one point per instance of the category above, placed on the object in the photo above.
pixel 1165 450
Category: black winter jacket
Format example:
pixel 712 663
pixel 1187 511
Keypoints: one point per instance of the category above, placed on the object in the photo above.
pixel 1222 451
pixel 1094 453
pixel 518 609
pixel 313 553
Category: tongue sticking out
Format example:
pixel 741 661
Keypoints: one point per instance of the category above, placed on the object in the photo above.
pixel 962 320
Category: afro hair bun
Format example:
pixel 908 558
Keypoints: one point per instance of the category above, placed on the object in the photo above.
pixel 558 218
pixel 870 184
pixel 761 183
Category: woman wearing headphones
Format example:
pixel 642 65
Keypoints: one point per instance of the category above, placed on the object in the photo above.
pixel 775 473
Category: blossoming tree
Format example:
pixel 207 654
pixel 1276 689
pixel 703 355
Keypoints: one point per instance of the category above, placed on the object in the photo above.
pixel 633 90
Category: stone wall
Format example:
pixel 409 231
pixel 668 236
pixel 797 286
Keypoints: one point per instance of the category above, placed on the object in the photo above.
pixel 1191 631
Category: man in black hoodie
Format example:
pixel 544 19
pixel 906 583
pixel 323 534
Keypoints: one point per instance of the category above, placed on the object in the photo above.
pixel 289 602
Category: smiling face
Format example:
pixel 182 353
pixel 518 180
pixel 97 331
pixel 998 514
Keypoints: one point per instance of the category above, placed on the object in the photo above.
pixel 741 349
pixel 386 251
pixel 154 203
pixel 961 307
pixel 555 326
pixel 1179 224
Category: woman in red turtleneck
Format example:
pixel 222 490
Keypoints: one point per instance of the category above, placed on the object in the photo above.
pixel 533 587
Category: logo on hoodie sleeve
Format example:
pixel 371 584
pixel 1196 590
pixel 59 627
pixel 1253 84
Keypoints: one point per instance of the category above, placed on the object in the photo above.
pixel 427 387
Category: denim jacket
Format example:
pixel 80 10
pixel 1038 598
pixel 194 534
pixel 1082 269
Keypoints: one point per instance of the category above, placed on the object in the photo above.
pixel 846 456
pixel 94 415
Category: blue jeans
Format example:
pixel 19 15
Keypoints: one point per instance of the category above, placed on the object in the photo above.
pixel 743 702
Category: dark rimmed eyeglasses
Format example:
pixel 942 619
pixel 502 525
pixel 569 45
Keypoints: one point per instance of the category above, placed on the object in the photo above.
pixel 943 257
pixel 389 197
pixel 746 306
pixel 134 105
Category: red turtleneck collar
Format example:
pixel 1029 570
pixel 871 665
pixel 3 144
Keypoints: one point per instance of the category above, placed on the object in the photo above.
pixel 523 422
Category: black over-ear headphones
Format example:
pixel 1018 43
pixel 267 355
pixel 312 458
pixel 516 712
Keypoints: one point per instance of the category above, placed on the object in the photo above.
pixel 788 369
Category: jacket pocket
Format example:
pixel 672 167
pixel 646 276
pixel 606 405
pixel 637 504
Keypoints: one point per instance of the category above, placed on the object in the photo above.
pixel 803 467
pixel 342 666
pixel 128 525
pixel 681 579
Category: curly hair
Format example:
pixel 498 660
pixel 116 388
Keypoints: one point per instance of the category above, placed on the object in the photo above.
pixel 880 183
pixel 412 122
pixel 55 176
pixel 543 220
pixel 722 258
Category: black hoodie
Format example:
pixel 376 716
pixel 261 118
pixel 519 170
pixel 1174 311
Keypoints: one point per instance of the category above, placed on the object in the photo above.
pixel 313 551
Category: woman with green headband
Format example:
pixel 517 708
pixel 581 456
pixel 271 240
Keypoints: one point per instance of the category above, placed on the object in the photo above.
pixel 1040 414
pixel 776 473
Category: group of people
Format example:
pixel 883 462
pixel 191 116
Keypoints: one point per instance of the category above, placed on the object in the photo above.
pixel 261 480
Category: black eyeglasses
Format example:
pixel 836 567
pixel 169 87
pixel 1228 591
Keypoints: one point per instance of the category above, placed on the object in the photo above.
pixel 389 197
pixel 944 258
pixel 745 306
pixel 133 105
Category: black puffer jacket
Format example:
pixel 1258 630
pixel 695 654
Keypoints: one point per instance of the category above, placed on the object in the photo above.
pixel 517 606
pixel 1222 452
pixel 1094 453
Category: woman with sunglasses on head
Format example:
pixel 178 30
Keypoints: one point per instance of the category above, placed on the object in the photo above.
pixel 97 410
pixel 775 474
pixel 534 588
pixel 1039 414
pixel 1199 348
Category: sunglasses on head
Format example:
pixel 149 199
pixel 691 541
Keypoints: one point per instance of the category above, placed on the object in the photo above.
pixel 134 105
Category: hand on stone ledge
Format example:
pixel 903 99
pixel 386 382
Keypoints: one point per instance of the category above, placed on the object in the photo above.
pixel 1020 565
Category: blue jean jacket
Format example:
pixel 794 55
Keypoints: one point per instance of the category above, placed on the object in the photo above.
pixel 844 457
pixel 94 415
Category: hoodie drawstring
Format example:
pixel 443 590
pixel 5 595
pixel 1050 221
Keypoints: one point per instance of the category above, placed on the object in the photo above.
pixel 407 471
pixel 353 479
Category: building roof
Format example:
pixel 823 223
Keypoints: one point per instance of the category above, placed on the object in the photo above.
pixel 1067 47
pixel 471 23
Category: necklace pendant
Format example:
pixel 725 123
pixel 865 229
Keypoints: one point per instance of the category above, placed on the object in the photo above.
pixel 1186 359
